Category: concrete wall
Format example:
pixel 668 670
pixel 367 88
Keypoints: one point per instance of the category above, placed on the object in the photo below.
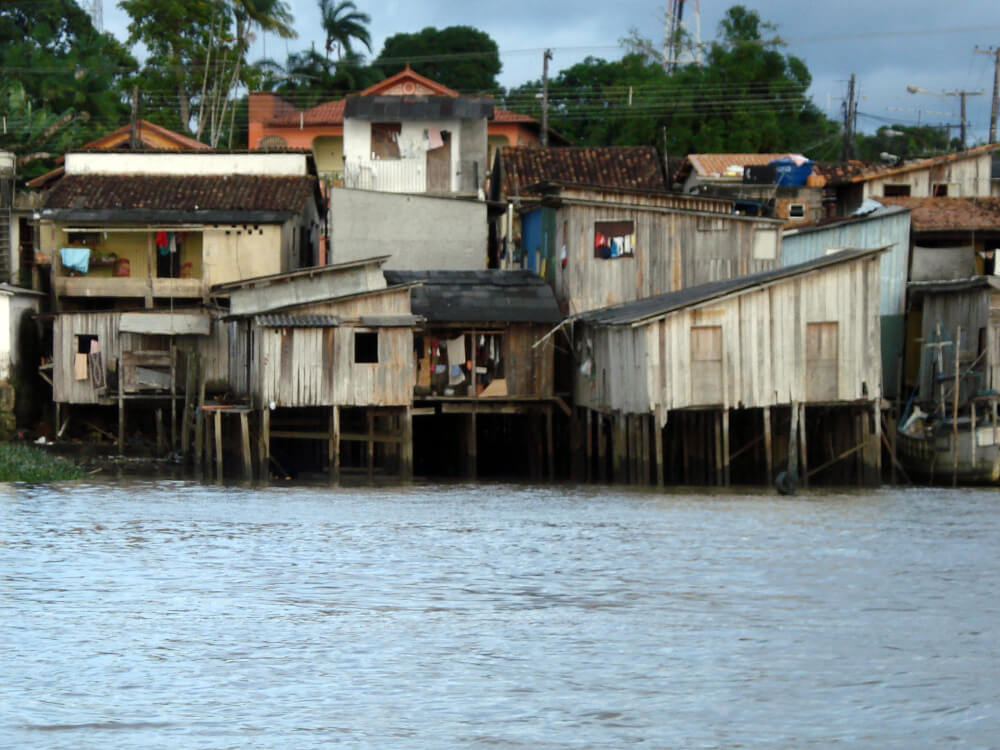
pixel 419 232
pixel 186 164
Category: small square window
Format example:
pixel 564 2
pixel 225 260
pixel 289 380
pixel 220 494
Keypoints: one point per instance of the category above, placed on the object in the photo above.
pixel 896 191
pixel 940 190
pixel 797 211
pixel 366 347
pixel 614 239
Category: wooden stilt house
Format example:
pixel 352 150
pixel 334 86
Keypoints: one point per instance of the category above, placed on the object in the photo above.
pixel 741 377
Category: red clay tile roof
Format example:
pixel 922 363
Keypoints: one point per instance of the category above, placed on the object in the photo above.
pixel 505 115
pixel 407 74
pixel 931 214
pixel 206 193
pixel 840 172
pixel 637 167
pixel 327 113
pixel 713 165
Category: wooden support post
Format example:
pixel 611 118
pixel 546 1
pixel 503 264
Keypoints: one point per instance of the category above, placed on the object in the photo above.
pixel 685 443
pixel 631 451
pixel 472 449
pixel 658 450
pixel 793 443
pixel 717 425
pixel 173 397
pixel 803 446
pixel 954 410
pixel 859 439
pixel 370 443
pixel 972 431
pixel 121 410
pixel 218 446
pixel 207 468
pixel 768 452
pixel 877 445
pixel 891 428
pixel 550 458
pixel 645 448
pixel 725 447
pixel 264 444
pixel 245 445
pixel 588 473
pixel 406 448
pixel 602 449
pixel 333 449
pixel 618 449
pixel 159 432
pixel 189 379
pixel 199 416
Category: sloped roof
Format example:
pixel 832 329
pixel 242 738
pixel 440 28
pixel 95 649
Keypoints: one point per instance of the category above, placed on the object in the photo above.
pixel 327 113
pixel 296 321
pixel 714 165
pixel 931 214
pixel 479 296
pixel 662 304
pixel 194 193
pixel 407 75
pixel 934 161
pixel 505 115
pixel 637 167
pixel 150 135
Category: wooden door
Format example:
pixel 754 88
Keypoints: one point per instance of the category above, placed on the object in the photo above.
pixel 439 166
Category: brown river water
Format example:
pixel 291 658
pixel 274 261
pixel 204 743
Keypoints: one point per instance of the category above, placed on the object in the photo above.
pixel 170 614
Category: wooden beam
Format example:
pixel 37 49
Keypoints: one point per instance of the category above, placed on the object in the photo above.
pixel 768 453
pixel 658 450
pixel 406 449
pixel 264 445
pixel 725 447
pixel 189 379
pixel 245 446
pixel 588 473
pixel 717 424
pixel 803 446
pixel 218 446
pixel 121 409
pixel 370 443
pixel 602 449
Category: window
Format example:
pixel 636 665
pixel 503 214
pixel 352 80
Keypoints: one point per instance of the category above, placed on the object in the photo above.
pixel 614 239
pixel 939 190
pixel 796 210
pixel 385 140
pixel 896 191
pixel 366 347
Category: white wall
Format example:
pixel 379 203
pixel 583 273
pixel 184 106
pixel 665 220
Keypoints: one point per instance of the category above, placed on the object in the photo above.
pixel 186 164
pixel 419 232
pixel 412 144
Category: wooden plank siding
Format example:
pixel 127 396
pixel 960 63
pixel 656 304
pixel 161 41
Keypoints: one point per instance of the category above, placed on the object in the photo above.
pixel 316 366
pixel 673 250
pixel 647 367
pixel 213 350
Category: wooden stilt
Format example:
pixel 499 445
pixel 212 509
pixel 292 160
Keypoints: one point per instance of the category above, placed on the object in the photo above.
pixel 631 450
pixel 972 431
pixel 658 450
pixel 891 428
pixel 602 449
pixel 245 446
pixel 159 432
pixel 334 448
pixel 859 439
pixel 725 447
pixel 121 410
pixel 550 458
pixel 173 397
pixel 218 446
pixel 717 424
pixel 207 467
pixel 588 473
pixel 370 443
pixel 188 404
pixel 685 445
pixel 472 448
pixel 199 418
pixel 768 452
pixel 618 448
pixel 793 443
pixel 803 453
pixel 406 448
pixel 877 442
pixel 264 444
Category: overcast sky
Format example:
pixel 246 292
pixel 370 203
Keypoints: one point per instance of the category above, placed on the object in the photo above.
pixel 886 43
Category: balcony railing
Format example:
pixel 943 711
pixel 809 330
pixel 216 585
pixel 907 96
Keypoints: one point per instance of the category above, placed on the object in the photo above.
pixel 387 175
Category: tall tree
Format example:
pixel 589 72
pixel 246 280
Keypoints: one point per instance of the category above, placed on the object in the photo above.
pixel 460 57
pixel 343 23
pixel 63 84
pixel 308 78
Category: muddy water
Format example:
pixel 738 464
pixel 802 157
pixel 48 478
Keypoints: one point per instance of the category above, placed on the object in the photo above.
pixel 144 614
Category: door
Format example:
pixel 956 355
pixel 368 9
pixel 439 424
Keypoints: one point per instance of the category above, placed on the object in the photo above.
pixel 439 166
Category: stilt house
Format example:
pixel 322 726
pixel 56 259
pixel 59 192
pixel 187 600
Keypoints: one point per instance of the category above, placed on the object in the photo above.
pixel 666 382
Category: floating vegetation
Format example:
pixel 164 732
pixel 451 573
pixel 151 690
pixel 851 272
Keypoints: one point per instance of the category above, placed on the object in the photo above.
pixel 26 463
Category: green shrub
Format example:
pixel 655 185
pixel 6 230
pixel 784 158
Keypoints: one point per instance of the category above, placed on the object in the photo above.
pixel 26 463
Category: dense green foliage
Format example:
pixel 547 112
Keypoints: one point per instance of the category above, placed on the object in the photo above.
pixel 343 23
pixel 905 142
pixel 26 463
pixel 459 57
pixel 747 96
pixel 62 81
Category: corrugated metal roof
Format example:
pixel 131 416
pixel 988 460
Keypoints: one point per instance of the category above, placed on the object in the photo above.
pixel 479 296
pixel 955 285
pixel 296 321
pixel 660 304
pixel 390 321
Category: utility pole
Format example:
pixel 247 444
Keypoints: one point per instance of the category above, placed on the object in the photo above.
pixel 545 97
pixel 996 89
pixel 847 152
pixel 961 94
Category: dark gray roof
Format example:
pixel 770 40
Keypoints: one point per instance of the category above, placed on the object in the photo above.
pixel 954 285
pixel 390 108
pixel 297 321
pixel 479 296
pixel 661 304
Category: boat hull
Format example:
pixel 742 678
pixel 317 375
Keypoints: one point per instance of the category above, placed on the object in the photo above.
pixel 933 457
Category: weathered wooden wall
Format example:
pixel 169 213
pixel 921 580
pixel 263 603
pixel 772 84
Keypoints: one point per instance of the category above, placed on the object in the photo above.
pixel 527 368
pixel 765 344
pixel 674 250
pixel 316 367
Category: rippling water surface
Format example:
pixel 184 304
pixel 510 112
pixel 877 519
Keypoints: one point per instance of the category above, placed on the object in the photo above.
pixel 169 614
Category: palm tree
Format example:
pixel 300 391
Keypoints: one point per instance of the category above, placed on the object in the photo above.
pixel 343 22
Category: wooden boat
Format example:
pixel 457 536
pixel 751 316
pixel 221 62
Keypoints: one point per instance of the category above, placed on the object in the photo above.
pixel 930 451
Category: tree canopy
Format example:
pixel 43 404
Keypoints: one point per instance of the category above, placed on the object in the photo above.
pixel 905 142
pixel 64 80
pixel 747 96
pixel 459 57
